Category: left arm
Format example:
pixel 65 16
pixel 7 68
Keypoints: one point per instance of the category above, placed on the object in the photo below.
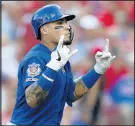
pixel 83 84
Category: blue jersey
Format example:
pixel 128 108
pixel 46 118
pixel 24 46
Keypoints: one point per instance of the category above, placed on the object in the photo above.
pixel 51 110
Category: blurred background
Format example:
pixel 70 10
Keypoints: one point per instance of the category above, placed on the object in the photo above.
pixel 111 100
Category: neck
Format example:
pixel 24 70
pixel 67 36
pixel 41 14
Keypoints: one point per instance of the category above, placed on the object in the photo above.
pixel 47 43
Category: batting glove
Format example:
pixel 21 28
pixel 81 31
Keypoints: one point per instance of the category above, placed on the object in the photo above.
pixel 60 56
pixel 103 59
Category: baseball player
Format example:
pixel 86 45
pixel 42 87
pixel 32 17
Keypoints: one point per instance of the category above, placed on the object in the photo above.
pixel 45 81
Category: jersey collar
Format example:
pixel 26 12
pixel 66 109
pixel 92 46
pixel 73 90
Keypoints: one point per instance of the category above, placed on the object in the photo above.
pixel 45 48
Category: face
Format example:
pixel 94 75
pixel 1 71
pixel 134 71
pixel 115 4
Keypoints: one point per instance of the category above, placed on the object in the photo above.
pixel 55 29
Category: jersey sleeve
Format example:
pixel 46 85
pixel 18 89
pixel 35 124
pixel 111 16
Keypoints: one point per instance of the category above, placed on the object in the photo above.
pixel 71 88
pixel 33 69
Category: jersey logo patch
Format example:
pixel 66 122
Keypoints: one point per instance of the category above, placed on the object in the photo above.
pixel 33 70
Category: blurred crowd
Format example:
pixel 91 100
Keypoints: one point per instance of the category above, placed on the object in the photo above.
pixel 111 99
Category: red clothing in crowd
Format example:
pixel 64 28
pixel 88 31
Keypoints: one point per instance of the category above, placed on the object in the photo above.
pixel 112 75
pixel 29 37
pixel 106 18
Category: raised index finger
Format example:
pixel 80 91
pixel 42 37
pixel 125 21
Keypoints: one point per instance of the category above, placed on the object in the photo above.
pixel 60 42
pixel 106 48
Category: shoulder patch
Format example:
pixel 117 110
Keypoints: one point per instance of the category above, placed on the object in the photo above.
pixel 33 70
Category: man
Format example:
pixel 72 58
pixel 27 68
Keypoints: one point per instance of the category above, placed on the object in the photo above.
pixel 45 81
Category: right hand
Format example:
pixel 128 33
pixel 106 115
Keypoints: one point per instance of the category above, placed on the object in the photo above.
pixel 60 56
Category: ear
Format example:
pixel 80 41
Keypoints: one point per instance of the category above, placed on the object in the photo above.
pixel 43 30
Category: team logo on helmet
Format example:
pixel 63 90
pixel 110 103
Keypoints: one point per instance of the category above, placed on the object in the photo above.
pixel 53 15
pixel 33 70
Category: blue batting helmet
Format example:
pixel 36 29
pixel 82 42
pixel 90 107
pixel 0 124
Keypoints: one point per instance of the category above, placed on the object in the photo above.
pixel 47 14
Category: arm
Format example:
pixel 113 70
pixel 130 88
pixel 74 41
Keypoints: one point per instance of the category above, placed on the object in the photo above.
pixel 35 95
pixel 80 88
pixel 38 91
pixel 83 84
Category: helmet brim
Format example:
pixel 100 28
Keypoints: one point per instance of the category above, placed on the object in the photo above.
pixel 68 17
